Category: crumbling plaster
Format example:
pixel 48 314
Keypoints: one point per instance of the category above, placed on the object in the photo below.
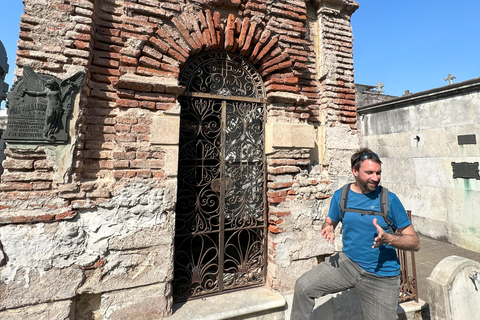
pixel 123 239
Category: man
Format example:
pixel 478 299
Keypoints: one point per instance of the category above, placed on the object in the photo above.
pixel 368 260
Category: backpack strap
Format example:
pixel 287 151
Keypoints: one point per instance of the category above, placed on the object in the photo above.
pixel 344 199
pixel 384 205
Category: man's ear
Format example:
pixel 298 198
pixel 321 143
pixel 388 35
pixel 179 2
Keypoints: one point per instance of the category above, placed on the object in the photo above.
pixel 355 172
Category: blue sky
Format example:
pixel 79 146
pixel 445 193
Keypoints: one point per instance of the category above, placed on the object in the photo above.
pixel 414 44
pixel 407 45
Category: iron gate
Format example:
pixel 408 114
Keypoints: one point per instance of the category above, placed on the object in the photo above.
pixel 220 241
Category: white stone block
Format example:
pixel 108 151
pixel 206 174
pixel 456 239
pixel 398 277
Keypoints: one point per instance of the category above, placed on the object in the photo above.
pixel 165 130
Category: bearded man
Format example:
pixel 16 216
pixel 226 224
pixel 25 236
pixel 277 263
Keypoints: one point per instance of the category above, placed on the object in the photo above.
pixel 368 260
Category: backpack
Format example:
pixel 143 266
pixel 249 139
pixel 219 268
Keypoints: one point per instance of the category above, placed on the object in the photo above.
pixel 383 206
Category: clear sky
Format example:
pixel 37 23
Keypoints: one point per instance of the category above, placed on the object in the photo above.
pixel 407 45
pixel 414 44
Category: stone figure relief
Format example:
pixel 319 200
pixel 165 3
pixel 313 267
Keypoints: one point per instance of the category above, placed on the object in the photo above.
pixel 59 97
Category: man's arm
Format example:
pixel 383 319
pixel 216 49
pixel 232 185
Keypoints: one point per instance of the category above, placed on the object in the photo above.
pixel 406 239
pixel 328 230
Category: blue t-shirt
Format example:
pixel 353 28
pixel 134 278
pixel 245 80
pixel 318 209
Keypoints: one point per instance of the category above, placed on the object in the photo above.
pixel 359 231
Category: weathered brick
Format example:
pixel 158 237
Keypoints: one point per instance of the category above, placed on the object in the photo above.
pixel 283 170
pixel 16 164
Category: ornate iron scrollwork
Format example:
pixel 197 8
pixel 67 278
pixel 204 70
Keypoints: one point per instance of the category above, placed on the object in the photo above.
pixel 222 73
pixel 220 213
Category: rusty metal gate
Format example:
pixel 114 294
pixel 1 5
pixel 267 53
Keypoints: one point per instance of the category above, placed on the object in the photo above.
pixel 220 241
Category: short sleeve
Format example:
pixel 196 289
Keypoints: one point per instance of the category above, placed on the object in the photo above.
pixel 397 213
pixel 334 212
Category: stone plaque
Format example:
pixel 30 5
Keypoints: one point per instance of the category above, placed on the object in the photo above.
pixel 39 107
pixel 467 139
pixel 465 170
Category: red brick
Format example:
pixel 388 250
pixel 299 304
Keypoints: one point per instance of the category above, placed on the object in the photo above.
pixel 276 67
pixel 211 27
pixel 158 174
pixel 66 215
pixel 159 44
pixel 126 119
pixel 283 170
pixel 280 213
pixel 279 87
pixel 149 62
pixel 171 42
pixel 122 137
pixel 229 32
pixel 141 128
pixel 273 61
pixel 16 164
pixel 277 200
pixel 145 174
pixel 276 185
pixel 249 38
pixel 185 34
pixel 41 185
pixel 277 194
pixel 127 103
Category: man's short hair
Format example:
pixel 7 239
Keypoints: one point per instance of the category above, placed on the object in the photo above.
pixel 361 155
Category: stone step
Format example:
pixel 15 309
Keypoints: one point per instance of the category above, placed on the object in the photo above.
pixel 252 304
pixel 412 310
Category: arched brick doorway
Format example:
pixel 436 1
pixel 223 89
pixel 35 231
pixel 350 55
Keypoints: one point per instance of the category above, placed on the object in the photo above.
pixel 220 240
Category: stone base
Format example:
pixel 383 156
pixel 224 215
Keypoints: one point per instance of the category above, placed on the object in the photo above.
pixel 250 304
pixel 412 310
pixel 60 310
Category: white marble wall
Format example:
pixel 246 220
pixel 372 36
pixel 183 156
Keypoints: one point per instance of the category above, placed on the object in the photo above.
pixel 418 142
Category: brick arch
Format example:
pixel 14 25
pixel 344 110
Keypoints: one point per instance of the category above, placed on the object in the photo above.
pixel 170 46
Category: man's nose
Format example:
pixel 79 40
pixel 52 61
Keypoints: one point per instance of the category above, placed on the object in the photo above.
pixel 376 177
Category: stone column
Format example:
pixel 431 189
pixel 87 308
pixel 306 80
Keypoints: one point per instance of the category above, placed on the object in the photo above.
pixel 334 48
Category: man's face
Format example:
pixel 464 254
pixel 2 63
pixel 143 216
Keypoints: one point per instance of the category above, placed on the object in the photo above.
pixel 368 175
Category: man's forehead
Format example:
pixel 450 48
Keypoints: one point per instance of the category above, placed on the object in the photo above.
pixel 370 165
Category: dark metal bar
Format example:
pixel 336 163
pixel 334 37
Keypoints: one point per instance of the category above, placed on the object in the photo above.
pixel 408 285
pixel 221 256
pixel 231 98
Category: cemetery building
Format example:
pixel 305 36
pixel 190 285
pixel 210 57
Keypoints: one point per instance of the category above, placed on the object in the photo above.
pixel 428 142
pixel 368 94
pixel 160 152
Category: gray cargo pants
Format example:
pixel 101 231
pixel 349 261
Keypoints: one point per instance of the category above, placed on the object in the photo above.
pixel 378 295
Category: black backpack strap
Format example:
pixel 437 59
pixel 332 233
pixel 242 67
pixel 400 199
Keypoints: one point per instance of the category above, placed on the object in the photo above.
pixel 344 199
pixel 384 206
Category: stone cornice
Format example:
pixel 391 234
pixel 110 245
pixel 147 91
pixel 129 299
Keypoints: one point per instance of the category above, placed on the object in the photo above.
pixel 335 7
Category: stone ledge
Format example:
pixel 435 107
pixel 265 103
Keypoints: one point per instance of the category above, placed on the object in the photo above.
pixel 286 97
pixel 238 305
pixel 411 310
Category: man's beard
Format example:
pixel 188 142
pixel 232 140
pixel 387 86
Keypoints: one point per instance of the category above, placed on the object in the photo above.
pixel 367 186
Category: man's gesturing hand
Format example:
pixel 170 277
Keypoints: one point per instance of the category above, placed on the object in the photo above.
pixel 382 237
pixel 328 232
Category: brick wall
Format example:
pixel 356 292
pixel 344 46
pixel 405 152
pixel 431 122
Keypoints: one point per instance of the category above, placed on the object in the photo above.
pixel 104 198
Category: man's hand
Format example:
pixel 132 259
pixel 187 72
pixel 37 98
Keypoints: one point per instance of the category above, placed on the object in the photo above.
pixel 405 238
pixel 382 237
pixel 328 228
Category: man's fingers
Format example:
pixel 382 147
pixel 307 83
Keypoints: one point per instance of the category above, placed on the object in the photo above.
pixel 379 229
